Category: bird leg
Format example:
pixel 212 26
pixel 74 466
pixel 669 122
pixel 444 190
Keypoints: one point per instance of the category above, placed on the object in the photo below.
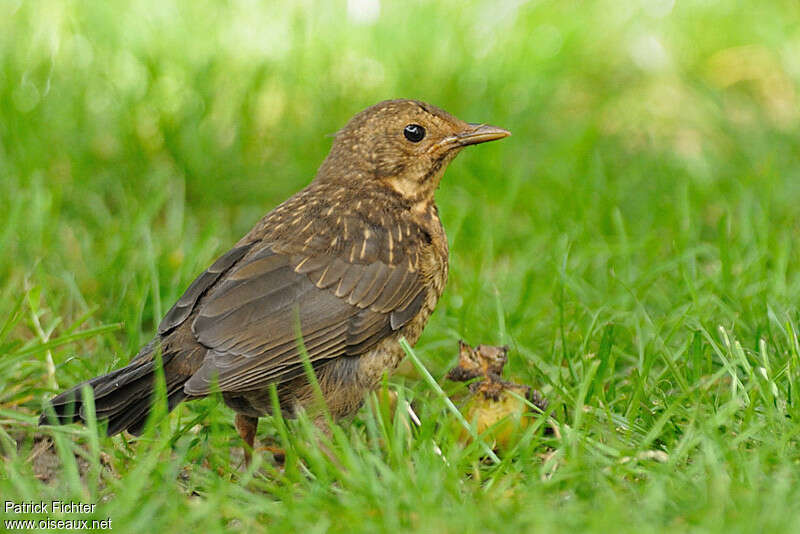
pixel 325 428
pixel 247 427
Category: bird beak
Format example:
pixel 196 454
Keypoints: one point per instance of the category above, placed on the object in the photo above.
pixel 472 135
pixel 480 133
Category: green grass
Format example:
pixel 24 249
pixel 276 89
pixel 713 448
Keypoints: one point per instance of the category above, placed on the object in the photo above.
pixel 634 243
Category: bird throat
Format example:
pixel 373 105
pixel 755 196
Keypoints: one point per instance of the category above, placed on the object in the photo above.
pixel 419 193
pixel 419 198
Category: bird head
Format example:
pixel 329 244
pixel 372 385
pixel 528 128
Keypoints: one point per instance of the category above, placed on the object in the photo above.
pixel 403 144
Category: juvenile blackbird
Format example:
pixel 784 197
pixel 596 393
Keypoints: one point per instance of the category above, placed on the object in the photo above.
pixel 346 266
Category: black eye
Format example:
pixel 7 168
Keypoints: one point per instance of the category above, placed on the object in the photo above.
pixel 414 133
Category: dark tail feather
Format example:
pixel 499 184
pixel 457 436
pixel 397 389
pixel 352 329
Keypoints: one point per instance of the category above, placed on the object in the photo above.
pixel 122 397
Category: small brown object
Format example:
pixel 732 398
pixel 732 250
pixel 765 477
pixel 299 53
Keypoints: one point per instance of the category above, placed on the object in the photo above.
pixel 344 268
pixel 494 403
pixel 486 361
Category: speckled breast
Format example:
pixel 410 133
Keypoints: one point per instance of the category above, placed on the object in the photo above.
pixel 434 267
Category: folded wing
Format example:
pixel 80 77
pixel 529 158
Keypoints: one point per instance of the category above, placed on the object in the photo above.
pixel 252 319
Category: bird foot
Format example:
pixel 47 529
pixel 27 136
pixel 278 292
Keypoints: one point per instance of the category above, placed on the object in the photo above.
pixel 277 452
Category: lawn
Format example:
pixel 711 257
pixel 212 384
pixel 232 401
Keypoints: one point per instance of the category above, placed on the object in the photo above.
pixel 634 243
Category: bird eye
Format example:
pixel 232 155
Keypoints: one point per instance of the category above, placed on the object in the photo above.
pixel 414 133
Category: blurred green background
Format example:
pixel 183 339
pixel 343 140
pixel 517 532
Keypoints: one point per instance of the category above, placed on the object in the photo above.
pixel 652 183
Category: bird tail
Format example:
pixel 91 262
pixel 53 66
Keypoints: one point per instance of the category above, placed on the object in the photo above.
pixel 123 397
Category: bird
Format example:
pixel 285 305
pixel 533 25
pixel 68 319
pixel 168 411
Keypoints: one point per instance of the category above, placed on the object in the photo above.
pixel 334 276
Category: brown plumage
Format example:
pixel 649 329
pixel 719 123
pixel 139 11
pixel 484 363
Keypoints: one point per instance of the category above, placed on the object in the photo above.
pixel 352 262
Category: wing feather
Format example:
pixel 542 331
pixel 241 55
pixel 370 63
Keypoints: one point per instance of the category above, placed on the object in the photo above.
pixel 181 310
pixel 250 320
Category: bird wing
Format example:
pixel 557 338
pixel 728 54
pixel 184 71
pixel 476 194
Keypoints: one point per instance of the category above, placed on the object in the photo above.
pixel 260 303
pixel 181 310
